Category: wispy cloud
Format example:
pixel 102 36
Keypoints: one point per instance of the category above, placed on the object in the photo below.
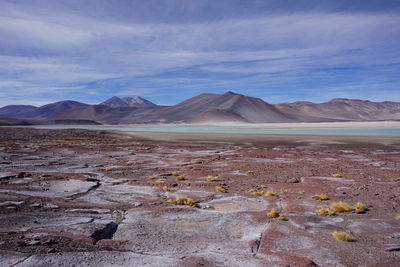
pixel 169 50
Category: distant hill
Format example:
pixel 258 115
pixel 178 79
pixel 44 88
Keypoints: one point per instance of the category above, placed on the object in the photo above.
pixel 138 102
pixel 243 107
pixel 204 108
pixel 38 113
pixel 341 109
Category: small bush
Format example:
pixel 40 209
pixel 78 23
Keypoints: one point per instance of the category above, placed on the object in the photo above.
pixel 107 169
pixel 180 178
pixel 263 186
pixel 325 212
pixel 211 178
pixel 336 175
pixel 343 236
pixel 181 200
pixel 282 218
pixel 221 189
pixel 151 177
pixel 269 193
pixel 321 197
pixel 257 193
pixel 250 172
pixel 341 207
pixel 273 213
pixel 129 164
pixel 282 191
pixel 160 182
pixel 360 207
pixel 396 179
pixel 165 188
pixel 174 174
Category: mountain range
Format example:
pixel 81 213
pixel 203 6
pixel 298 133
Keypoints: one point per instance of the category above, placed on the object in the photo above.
pixel 204 108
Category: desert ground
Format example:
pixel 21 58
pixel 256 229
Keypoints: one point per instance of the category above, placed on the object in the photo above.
pixel 100 198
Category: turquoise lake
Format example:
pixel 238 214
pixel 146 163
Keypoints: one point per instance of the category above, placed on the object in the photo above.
pixel 230 129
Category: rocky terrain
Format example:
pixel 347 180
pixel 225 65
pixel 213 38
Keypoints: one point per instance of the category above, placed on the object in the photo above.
pixel 96 198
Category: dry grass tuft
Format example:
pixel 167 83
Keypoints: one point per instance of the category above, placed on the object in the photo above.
pixel 221 189
pixel 250 172
pixel 211 178
pixel 258 193
pixel 107 169
pixel 360 207
pixel 273 213
pixel 174 174
pixel 336 175
pixel 263 186
pixel 301 192
pixel 160 182
pixel 396 179
pixel 282 191
pixel 341 207
pixel 321 197
pixel 397 217
pixel 165 188
pixel 151 177
pixel 282 218
pixel 343 236
pixel 325 212
pixel 180 178
pixel 182 200
pixel 269 193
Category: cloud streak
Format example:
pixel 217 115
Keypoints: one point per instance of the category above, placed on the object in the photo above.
pixel 195 46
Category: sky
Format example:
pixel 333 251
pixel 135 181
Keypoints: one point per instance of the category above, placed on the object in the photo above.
pixel 169 50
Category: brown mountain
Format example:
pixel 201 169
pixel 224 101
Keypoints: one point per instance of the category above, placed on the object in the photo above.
pixel 341 109
pixel 38 113
pixel 138 102
pixel 243 107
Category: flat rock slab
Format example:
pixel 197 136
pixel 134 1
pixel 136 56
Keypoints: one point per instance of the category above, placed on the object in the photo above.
pixel 181 230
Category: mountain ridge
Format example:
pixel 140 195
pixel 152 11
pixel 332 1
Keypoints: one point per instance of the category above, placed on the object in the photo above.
pixel 206 107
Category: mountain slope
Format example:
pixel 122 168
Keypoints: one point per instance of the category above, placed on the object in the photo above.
pixel 341 109
pixel 38 113
pixel 249 108
pixel 138 102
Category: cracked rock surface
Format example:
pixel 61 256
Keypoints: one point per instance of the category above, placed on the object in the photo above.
pixel 95 198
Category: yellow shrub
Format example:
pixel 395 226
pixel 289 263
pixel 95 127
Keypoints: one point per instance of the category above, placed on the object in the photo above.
pixel 181 200
pixel 160 182
pixel 396 179
pixel 174 174
pixel 282 218
pixel 257 193
pixel 321 197
pixel 221 189
pixel 336 175
pixel 360 207
pixel 325 212
pixel 341 207
pixel 250 172
pixel 273 213
pixel 269 193
pixel 397 217
pixel 107 169
pixel 211 178
pixel 282 191
pixel 165 188
pixel 343 236
pixel 302 192
pixel 263 186
pixel 129 163
pixel 180 178
pixel 151 177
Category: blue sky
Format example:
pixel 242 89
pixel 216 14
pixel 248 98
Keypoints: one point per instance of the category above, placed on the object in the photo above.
pixel 167 51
